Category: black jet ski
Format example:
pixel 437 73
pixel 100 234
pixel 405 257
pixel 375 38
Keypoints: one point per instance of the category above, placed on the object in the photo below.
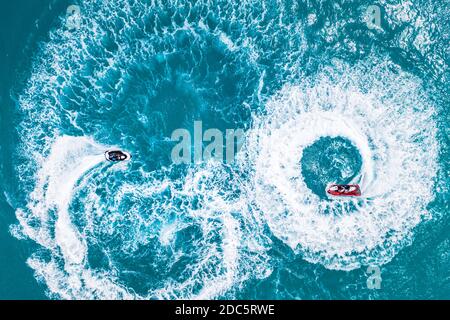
pixel 117 155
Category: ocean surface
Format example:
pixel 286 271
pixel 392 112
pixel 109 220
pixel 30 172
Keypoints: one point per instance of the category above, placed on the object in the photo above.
pixel 324 91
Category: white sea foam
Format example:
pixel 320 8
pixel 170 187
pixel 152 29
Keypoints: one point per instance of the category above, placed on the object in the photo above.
pixel 388 121
pixel 393 130
pixel 220 265
pixel 48 221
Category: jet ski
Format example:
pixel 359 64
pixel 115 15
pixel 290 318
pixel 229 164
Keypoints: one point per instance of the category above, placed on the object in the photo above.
pixel 117 155
pixel 346 190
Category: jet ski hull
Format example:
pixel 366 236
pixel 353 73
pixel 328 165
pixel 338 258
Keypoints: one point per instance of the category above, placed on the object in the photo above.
pixel 108 156
pixel 339 190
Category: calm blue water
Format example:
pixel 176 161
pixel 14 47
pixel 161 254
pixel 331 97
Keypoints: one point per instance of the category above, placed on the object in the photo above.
pixel 322 99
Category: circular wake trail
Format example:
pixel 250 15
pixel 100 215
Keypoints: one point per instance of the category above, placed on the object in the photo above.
pixel 384 115
pixel 135 71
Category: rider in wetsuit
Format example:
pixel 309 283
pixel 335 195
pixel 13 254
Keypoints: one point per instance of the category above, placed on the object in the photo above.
pixel 344 188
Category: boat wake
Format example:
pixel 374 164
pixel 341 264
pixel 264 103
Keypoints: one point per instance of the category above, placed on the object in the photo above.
pixel 135 71
pixel 393 131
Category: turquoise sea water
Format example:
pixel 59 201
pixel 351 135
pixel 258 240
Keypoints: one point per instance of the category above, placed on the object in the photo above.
pixel 322 98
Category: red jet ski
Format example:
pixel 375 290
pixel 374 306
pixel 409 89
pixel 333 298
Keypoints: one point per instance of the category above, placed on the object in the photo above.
pixel 344 190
